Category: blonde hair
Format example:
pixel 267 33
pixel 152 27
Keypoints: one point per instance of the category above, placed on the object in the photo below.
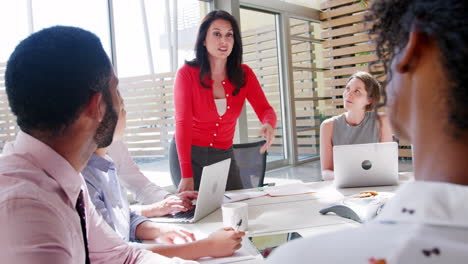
pixel 372 86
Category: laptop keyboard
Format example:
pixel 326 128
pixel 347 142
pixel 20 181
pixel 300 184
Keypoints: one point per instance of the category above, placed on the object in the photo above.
pixel 185 215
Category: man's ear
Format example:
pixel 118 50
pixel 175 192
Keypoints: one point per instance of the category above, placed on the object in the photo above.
pixel 96 107
pixel 411 52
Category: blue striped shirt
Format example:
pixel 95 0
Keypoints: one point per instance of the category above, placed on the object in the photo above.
pixel 110 198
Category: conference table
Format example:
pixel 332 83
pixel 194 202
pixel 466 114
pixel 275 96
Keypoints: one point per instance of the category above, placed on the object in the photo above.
pixel 298 213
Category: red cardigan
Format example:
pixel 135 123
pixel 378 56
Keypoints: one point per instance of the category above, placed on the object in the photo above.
pixel 197 119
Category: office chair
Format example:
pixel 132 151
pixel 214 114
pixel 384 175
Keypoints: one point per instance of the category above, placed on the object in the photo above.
pixel 252 163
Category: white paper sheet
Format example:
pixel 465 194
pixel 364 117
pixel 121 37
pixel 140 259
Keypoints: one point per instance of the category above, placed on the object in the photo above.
pixel 288 189
pixel 235 197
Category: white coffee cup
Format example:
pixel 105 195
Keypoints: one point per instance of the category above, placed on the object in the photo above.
pixel 236 215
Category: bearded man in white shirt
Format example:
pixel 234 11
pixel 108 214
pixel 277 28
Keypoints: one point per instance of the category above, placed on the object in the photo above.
pixel 423 45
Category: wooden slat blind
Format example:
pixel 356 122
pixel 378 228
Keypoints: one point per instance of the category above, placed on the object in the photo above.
pixel 260 53
pixel 8 127
pixel 150 113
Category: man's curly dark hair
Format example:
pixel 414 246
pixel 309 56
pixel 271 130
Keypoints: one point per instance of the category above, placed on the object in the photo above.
pixel 446 22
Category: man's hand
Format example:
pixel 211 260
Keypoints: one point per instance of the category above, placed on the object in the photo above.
pixel 170 234
pixel 186 184
pixel 328 175
pixel 269 133
pixel 221 243
pixel 224 242
pixel 190 195
pixel 172 203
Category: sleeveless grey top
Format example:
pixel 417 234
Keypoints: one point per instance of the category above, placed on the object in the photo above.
pixel 366 132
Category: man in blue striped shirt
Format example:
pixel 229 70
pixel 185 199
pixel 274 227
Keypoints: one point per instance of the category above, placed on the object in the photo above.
pixel 109 198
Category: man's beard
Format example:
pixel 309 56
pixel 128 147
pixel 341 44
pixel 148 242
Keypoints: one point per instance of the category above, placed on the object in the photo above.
pixel 105 131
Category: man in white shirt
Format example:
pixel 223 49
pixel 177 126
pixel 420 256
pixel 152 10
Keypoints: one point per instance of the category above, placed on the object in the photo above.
pixel 424 47
pixel 62 88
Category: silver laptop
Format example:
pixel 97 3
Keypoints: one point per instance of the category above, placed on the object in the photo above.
pixel 363 165
pixel 210 194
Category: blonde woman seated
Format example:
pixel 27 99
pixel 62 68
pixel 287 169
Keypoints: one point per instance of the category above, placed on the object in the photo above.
pixel 358 125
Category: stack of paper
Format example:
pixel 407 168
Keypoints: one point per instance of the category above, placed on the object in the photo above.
pixel 280 190
pixel 288 189
pixel 235 197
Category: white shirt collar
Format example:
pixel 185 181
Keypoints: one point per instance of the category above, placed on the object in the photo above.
pixel 433 203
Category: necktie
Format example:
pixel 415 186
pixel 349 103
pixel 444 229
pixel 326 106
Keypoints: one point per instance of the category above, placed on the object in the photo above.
pixel 80 208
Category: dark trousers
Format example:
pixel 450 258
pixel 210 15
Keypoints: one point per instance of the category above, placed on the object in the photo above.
pixel 204 156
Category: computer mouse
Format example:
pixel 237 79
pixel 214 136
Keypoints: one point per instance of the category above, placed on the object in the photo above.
pixel 358 209
pixel 343 211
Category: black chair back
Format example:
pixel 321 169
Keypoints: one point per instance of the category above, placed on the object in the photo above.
pixel 252 163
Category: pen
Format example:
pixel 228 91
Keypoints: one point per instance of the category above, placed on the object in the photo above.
pixel 227 197
pixel 238 225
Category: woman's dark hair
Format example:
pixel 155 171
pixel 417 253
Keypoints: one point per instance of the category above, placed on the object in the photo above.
pixel 235 73
pixel 446 23
pixel 52 74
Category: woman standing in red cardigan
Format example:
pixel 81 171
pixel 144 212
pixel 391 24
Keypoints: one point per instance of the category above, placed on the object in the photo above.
pixel 210 92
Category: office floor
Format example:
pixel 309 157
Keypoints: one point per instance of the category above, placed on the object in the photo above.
pixel 308 172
